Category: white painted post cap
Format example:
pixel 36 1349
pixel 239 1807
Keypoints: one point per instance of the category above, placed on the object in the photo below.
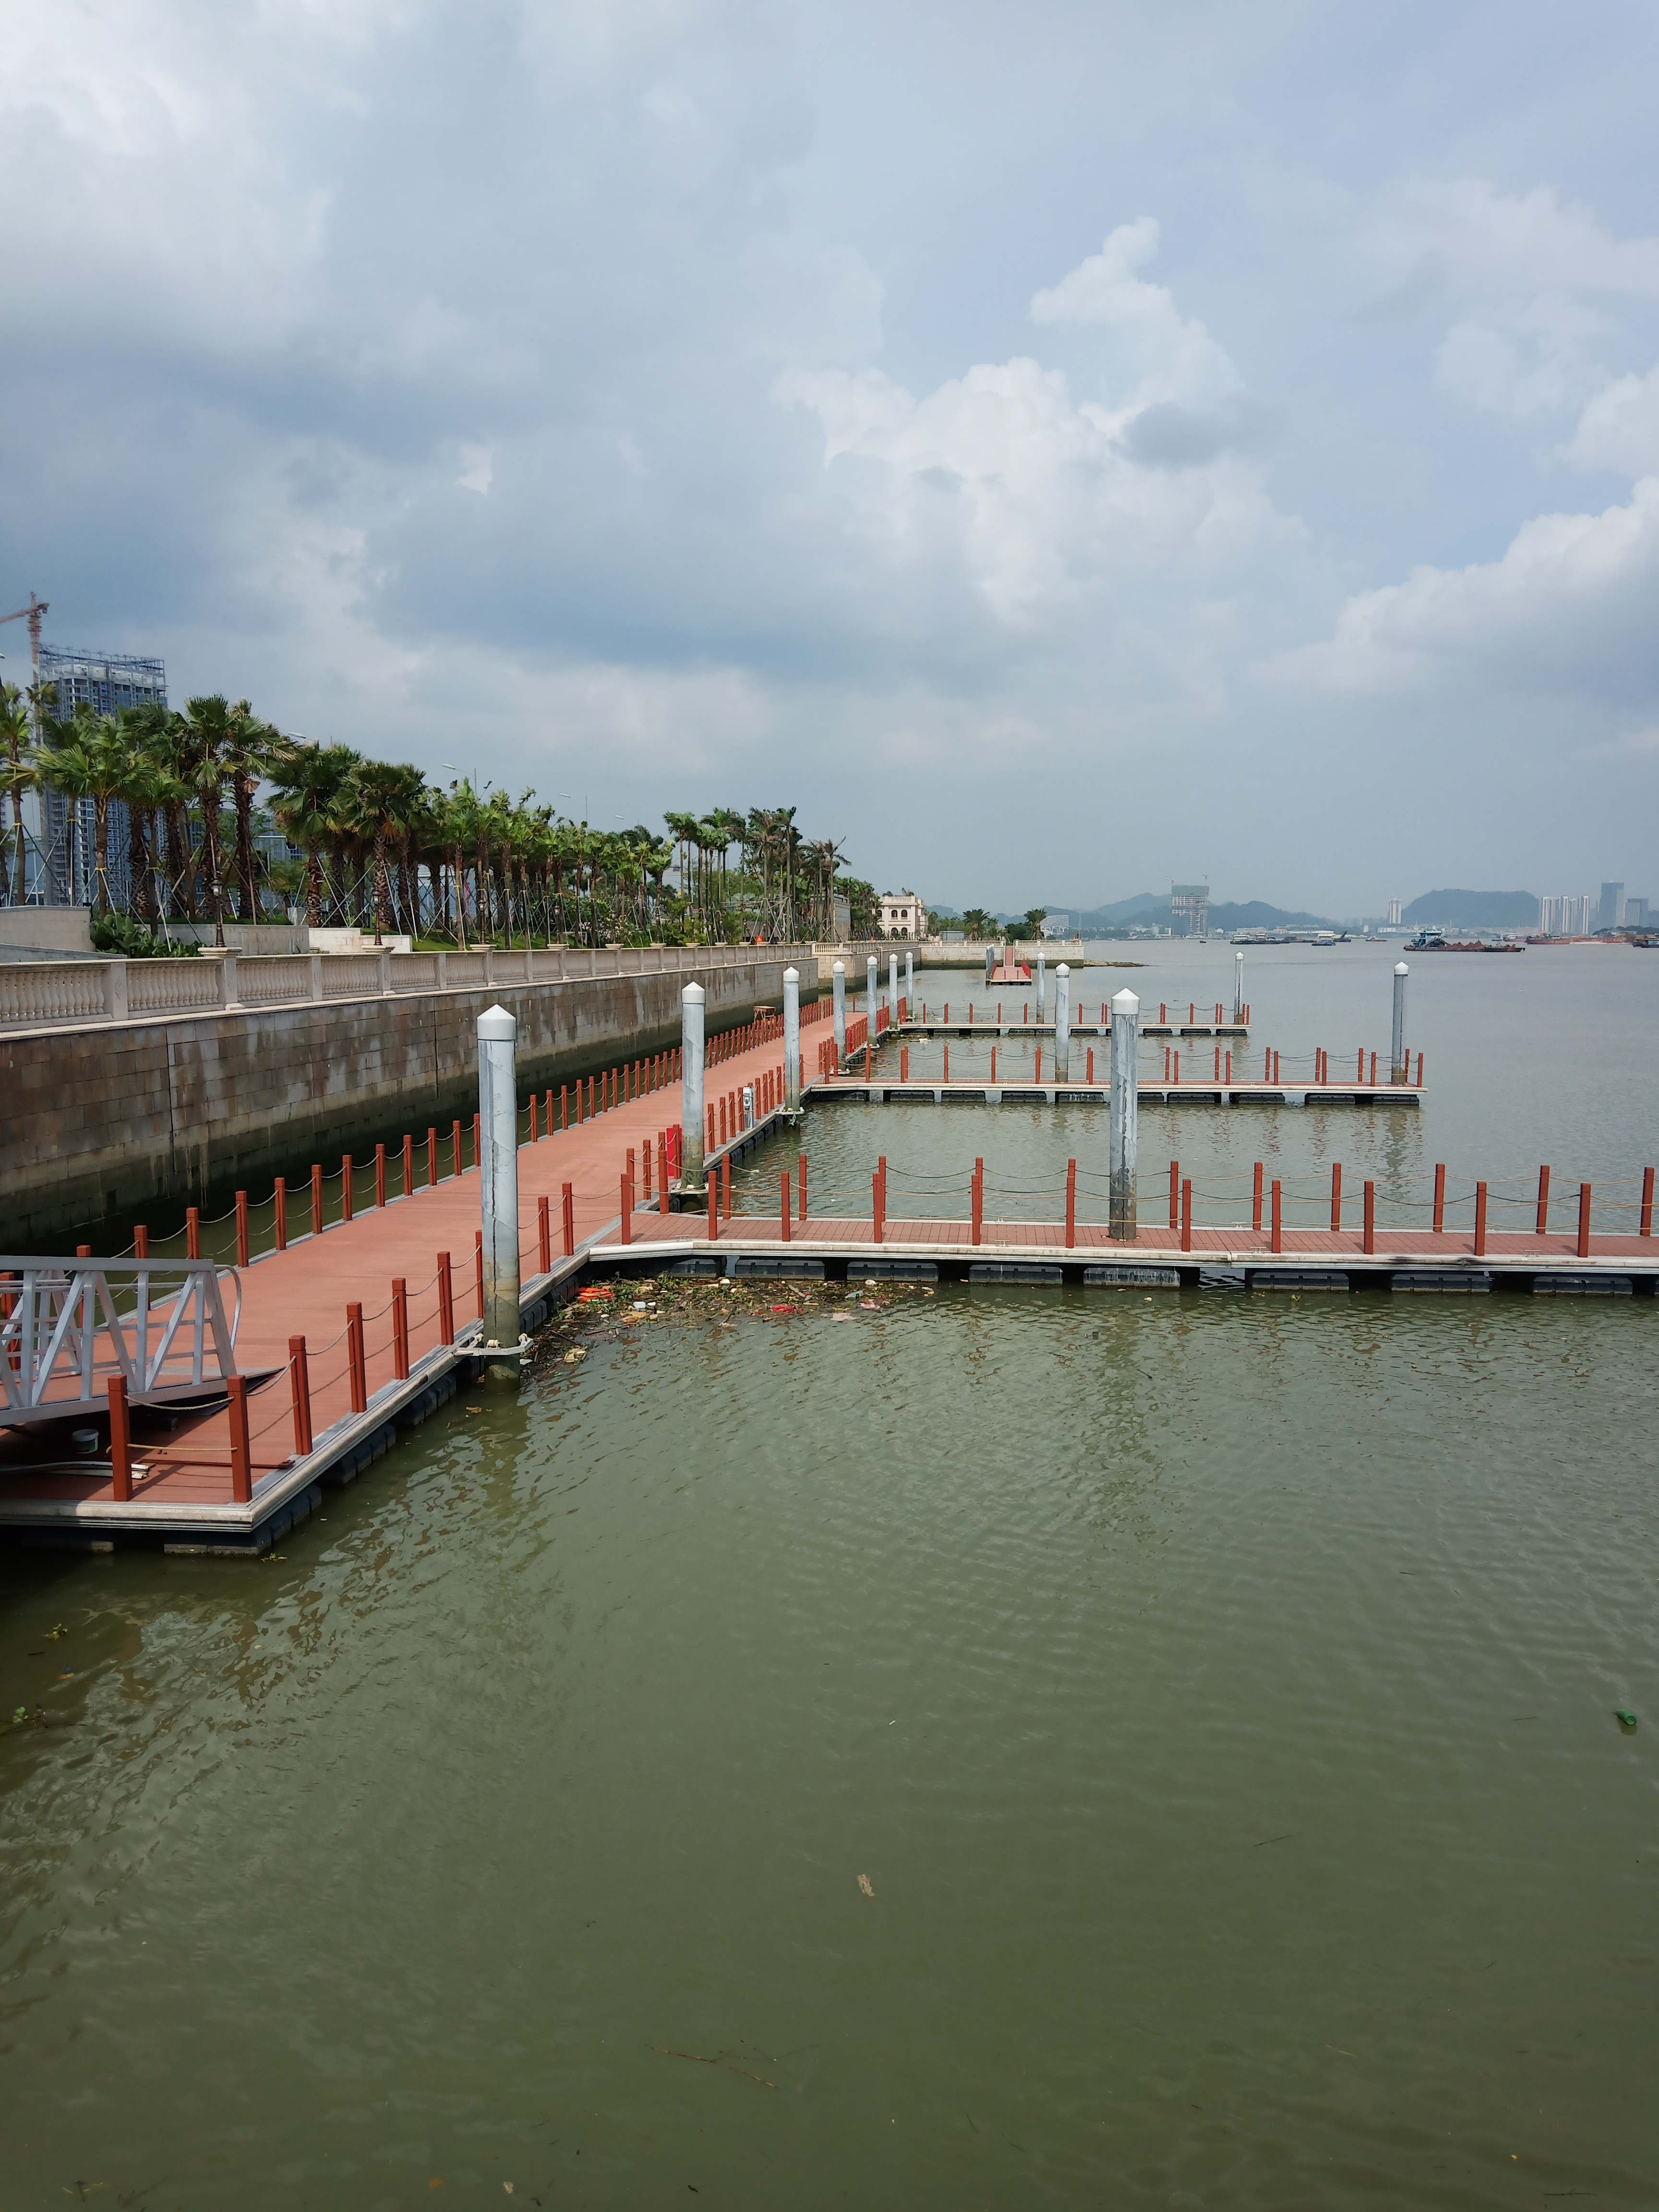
pixel 497 1026
pixel 1126 1003
pixel 840 968
pixel 1400 968
pixel 694 992
pixel 791 974
pixel 1062 969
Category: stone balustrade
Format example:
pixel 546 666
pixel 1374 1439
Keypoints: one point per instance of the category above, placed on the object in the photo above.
pixel 80 994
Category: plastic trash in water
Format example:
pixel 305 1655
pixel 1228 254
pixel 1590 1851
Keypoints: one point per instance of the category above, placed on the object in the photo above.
pixel 1626 1721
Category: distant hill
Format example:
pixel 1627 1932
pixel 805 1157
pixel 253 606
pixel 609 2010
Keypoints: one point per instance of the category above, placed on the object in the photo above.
pixel 1255 914
pixel 1475 909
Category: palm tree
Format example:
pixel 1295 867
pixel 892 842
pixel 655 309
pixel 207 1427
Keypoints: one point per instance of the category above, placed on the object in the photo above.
pixel 89 757
pixel 304 778
pixel 1034 918
pixel 249 751
pixel 208 734
pixel 15 731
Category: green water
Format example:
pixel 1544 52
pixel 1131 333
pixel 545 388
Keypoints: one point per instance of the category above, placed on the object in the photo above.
pixel 1216 1693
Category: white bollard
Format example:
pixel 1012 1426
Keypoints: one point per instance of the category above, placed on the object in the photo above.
pixel 691 1107
pixel 892 987
pixel 990 956
pixel 791 1039
pixel 498 1180
pixel 1062 1024
pixel 1399 1058
pixel 838 985
pixel 1238 987
pixel 910 979
pixel 872 990
pixel 1043 988
pixel 1125 1100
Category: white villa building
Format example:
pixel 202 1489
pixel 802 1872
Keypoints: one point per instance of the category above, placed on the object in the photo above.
pixel 902 915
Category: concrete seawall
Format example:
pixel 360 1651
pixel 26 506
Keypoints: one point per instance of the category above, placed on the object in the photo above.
pixel 107 1120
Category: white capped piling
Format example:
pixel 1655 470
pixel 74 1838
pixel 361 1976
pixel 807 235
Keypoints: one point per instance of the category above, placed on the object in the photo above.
pixel 1238 986
pixel 748 1105
pixel 990 956
pixel 892 987
pixel 691 1107
pixel 838 988
pixel 791 1039
pixel 1126 1053
pixel 1043 988
pixel 871 989
pixel 1062 1024
pixel 909 979
pixel 498 1180
pixel 1397 1059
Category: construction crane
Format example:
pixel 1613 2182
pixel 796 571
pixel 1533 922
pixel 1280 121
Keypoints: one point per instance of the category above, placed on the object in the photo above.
pixel 31 614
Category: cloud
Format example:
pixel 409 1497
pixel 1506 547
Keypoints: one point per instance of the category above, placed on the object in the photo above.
pixel 1619 428
pixel 1568 607
pixel 1175 357
pixel 477 468
pixel 1041 500
pixel 1528 278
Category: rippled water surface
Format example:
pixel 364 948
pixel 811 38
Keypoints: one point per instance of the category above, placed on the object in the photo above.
pixel 1216 1694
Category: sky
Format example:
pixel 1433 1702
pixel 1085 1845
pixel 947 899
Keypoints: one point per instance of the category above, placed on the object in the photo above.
pixel 1058 448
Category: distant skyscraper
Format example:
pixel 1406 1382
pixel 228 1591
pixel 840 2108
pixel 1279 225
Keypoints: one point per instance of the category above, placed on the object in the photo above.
pixel 105 682
pixel 1613 906
pixel 1191 902
pixel 1393 913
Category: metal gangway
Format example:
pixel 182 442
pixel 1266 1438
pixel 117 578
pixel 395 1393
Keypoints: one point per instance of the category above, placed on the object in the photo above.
pixel 69 1327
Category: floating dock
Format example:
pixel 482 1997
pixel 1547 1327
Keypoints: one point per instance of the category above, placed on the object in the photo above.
pixel 389 1302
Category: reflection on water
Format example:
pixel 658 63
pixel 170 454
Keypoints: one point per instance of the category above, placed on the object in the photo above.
pixel 1216 1695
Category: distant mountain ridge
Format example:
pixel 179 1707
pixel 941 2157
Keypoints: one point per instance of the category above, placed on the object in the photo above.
pixel 1475 909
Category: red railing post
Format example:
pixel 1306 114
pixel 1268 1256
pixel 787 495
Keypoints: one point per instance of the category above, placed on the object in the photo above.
pixel 357 1359
pixel 299 1384
pixel 1440 1199
pixel 345 1186
pixel 875 1205
pixel 241 1457
pixel 241 1229
pixel 535 1121
pixel 1255 1202
pixel 1584 1220
pixel 379 1175
pixel 564 1106
pixel 192 1232
pixel 627 1209
pixel 1646 1229
pixel 446 1300
pixel 1480 1220
pixel 1543 1201
pixel 120 1441
pixel 431 1158
pixel 409 1164
pixel 400 1329
pixel 140 1241
pixel 568 1215
pixel 714 1195
pixel 662 1172
pixel 455 1160
pixel 1278 1219
pixel 1174 1192
pixel 1370 1216
pixel 1336 1197
pixel 279 1215
pixel 1186 1214
pixel 545 1232
pixel 316 1198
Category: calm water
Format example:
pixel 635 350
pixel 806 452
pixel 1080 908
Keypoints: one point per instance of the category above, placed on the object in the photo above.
pixel 1217 1695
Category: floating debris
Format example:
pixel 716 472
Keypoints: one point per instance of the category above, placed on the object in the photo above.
pixel 863 1884
pixel 1626 1721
